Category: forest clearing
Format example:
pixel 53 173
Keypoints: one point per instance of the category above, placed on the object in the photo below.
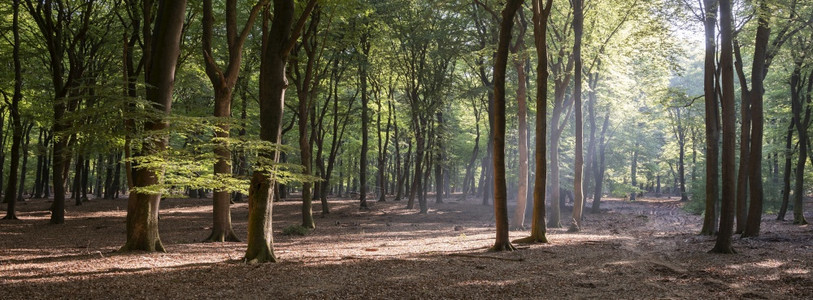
pixel 648 248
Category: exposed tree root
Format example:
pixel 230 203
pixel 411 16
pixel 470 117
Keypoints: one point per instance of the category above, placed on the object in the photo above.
pixel 219 236
pixel 487 256
pixel 532 239
pixel 723 250
pixel 505 246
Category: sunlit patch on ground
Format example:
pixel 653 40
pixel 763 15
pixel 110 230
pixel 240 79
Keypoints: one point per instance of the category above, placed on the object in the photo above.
pixel 642 249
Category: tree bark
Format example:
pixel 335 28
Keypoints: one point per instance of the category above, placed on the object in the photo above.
pixel 10 194
pixel 786 174
pixel 277 43
pixel 712 120
pixel 522 112
pixel 540 19
pixel 578 160
pixel 142 207
pixel 723 242
pixel 752 227
pixel 501 242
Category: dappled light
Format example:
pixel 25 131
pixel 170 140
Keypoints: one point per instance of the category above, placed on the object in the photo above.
pixel 403 149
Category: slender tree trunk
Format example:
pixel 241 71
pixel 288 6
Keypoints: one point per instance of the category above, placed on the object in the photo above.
pixel 723 244
pixel 599 167
pixel 522 112
pixel 758 68
pixel 578 168
pixel 501 241
pixel 10 194
pixel 439 183
pixel 277 43
pixel 540 17
pixel 365 119
pixel 712 121
pixel 786 174
pixel 223 83
pixel 24 166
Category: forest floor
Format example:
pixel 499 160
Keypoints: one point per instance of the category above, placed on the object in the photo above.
pixel 643 249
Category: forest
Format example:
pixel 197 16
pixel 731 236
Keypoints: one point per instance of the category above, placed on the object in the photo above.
pixel 363 149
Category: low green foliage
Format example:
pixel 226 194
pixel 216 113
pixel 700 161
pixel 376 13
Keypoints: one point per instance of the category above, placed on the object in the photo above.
pixel 295 230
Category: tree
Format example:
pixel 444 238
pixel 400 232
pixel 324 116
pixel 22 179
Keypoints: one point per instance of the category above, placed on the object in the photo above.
pixel 223 82
pixel 278 41
pixel 540 16
pixel 522 111
pixel 502 243
pixel 797 84
pixel 712 119
pixel 10 195
pixel 142 206
pixel 578 168
pixel 307 84
pixel 63 37
pixel 723 243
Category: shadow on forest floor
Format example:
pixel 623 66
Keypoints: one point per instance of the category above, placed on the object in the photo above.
pixel 642 249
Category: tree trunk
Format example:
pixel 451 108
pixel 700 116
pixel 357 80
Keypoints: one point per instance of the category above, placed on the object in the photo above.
pixel 9 196
pixel 223 83
pixel 439 183
pixel 801 124
pixel 365 119
pixel 540 17
pixel 142 207
pixel 599 167
pixel 24 166
pixel 712 121
pixel 501 241
pixel 723 243
pixel 758 68
pixel 786 174
pixel 578 160
pixel 277 44
pixel 522 112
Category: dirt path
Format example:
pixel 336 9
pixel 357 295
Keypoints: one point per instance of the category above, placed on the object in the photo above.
pixel 643 249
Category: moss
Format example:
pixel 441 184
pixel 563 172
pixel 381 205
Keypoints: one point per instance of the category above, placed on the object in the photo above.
pixel 295 230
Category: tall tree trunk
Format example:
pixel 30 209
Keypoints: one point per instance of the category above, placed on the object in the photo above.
pixel 501 242
pixel 365 119
pixel 277 43
pixel 439 183
pixel 142 207
pixel 24 166
pixel 786 174
pixel 223 83
pixel 758 68
pixel 599 166
pixel 522 112
pixel 10 194
pixel 40 160
pixel 578 160
pixel 801 124
pixel 540 19
pixel 723 243
pixel 712 120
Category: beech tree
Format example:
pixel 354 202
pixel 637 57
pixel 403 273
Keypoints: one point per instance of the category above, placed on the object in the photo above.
pixel 10 195
pixel 728 190
pixel 278 41
pixel 142 206
pixel 540 16
pixel 502 243
pixel 223 82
